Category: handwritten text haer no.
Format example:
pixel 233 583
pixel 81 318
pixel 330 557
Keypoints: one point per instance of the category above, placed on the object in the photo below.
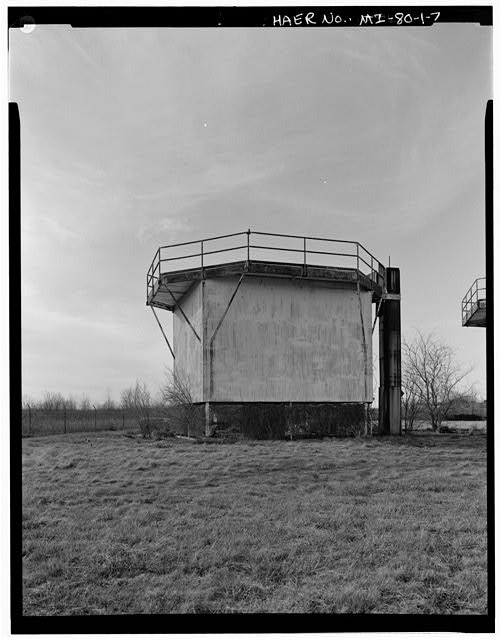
pixel 296 20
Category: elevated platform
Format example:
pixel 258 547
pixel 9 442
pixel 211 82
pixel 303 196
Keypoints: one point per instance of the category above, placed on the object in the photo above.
pixel 346 263
pixel 172 286
pixel 478 315
pixel 474 305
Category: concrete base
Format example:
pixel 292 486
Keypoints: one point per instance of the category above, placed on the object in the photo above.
pixel 276 420
pixel 269 420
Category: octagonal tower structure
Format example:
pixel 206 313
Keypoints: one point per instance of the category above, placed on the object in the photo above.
pixel 272 332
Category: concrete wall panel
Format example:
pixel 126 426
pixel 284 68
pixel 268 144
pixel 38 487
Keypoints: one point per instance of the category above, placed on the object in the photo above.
pixel 285 340
pixel 187 349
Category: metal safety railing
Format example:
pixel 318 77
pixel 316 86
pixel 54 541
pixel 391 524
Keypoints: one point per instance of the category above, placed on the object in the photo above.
pixel 254 245
pixel 474 299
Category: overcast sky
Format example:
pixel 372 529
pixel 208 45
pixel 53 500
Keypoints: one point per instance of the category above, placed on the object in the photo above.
pixel 132 138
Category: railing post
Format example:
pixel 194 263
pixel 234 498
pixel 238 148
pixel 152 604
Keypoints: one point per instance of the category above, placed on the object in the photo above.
pixel 248 245
pixel 202 256
pixel 358 269
pixel 159 266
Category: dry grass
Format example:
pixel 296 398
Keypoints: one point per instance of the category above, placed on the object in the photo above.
pixel 113 525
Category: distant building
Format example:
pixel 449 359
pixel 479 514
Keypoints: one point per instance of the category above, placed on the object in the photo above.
pixel 468 408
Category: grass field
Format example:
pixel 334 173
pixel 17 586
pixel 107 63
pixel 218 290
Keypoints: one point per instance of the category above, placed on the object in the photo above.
pixel 115 525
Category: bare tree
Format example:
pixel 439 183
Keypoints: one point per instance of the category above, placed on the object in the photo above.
pixel 84 404
pixel 181 412
pixel 432 376
pixel 142 406
pixel 109 403
pixel 411 399
pixel 142 399
pixel 127 398
pixel 137 398
pixel 52 401
pixel 27 402
pixel 70 403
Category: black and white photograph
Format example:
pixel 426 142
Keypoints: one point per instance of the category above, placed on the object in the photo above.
pixel 251 324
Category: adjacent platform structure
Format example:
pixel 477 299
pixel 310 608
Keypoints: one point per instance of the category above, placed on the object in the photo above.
pixel 473 306
pixel 279 333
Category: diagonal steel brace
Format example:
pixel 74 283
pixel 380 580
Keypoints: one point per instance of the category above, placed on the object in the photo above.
pixel 211 344
pixel 163 333
pixel 181 310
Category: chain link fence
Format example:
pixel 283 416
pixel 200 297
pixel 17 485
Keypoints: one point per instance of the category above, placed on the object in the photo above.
pixel 38 422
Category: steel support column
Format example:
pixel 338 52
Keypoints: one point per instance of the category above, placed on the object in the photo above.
pixel 390 391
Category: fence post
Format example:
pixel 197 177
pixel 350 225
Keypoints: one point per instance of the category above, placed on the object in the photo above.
pixel 95 417
pixel 304 256
pixel 29 420
pixel 64 414
pixel 248 246
pixel 123 418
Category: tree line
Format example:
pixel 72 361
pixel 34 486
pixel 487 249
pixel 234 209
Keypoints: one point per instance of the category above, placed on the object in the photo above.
pixel 133 397
pixel 175 391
